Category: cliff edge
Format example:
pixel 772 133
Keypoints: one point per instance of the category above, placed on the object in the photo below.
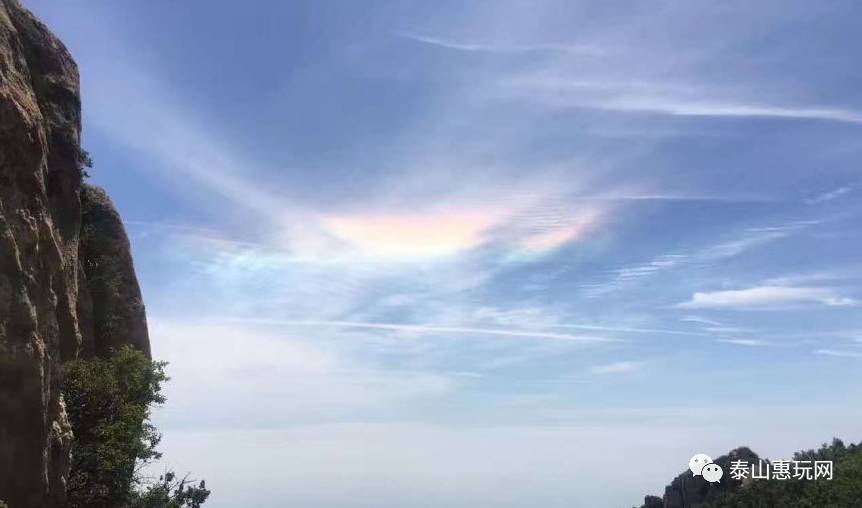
pixel 67 283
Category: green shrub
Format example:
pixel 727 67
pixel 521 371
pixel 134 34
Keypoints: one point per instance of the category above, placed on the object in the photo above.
pixel 171 492
pixel 843 491
pixel 109 402
pixel 85 162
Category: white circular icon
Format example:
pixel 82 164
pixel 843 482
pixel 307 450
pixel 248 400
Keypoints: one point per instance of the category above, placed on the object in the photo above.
pixel 712 473
pixel 697 463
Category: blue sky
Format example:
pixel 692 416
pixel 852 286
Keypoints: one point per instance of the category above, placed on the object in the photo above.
pixel 483 253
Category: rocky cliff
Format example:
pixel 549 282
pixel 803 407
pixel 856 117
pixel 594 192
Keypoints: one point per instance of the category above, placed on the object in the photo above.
pixel 67 284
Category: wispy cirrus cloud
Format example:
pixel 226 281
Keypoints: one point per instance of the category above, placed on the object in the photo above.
pixel 831 276
pixel 744 342
pixel 683 99
pixel 700 320
pixel 188 152
pixel 506 48
pixel 830 195
pixel 839 353
pixel 427 179
pixel 537 318
pixel 184 149
pixel 621 277
pixel 706 108
pixel 766 297
pixel 445 233
pixel 622 367
pixel 431 329
pixel 749 239
pixel 292 377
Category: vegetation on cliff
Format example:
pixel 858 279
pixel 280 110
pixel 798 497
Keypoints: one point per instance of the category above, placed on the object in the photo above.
pixel 844 490
pixel 109 403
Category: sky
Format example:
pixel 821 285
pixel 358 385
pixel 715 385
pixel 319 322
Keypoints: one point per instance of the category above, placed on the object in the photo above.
pixel 469 254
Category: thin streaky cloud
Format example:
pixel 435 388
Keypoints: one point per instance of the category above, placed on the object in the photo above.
pixel 701 320
pixel 677 197
pixel 473 47
pixel 766 297
pixel 744 342
pixel 839 353
pixel 623 329
pixel 830 276
pixel 427 329
pixel 750 239
pixel 830 195
pixel 622 367
pixel 632 273
pixel 663 98
pixel 192 233
pixel 728 329
pixel 727 110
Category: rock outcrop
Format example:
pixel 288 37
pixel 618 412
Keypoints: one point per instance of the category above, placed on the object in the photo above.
pixel 54 303
pixel 111 310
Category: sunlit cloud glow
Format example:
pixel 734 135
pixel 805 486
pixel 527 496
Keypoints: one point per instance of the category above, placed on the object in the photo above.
pixel 413 236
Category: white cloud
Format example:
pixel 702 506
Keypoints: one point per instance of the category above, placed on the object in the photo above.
pixel 629 329
pixel 839 353
pixel 398 222
pixel 751 238
pixel 727 329
pixel 432 329
pixel 414 236
pixel 832 276
pixel 700 320
pixel 538 318
pixel 369 465
pixel 764 297
pixel 622 367
pixel 744 342
pixel 551 239
pixel 683 107
pixel 246 376
pixel 392 463
pixel 474 47
pixel 634 273
pixel 524 227
pixel 830 195
pixel 675 99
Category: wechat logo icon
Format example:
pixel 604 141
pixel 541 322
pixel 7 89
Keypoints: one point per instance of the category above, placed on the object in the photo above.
pixel 702 465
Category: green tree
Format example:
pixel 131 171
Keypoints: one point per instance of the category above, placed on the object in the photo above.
pixel 85 162
pixel 171 492
pixel 109 402
pixel 843 491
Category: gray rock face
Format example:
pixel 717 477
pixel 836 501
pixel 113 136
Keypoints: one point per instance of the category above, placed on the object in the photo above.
pixel 49 312
pixel 116 316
